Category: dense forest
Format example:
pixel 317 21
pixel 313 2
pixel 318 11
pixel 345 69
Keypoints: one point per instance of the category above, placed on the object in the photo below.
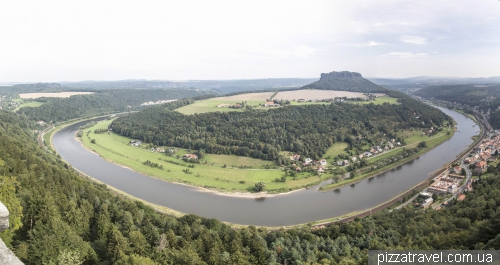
pixel 61 109
pixel 58 217
pixel 481 97
pixel 345 81
pixel 308 130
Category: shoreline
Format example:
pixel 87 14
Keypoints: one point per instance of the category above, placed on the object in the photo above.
pixel 201 189
pixel 342 218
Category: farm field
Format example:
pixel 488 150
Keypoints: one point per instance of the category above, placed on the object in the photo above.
pixel 255 99
pixel 309 94
pixel 210 105
pixel 53 95
pixel 208 173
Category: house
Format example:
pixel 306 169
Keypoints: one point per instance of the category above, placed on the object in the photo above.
pixel 354 159
pixel 460 197
pixel 295 157
pixel 480 167
pixel 301 100
pixel 160 150
pixel 340 163
pixel 427 203
pixel 452 188
pixel 135 142
pixel 346 162
pixel 271 104
pixel 368 154
pixel 236 106
pixel 398 143
pixel 321 169
pixel 323 162
pixel 298 169
pixel 361 156
pixel 308 160
pixel 425 194
pixel 190 157
pixel 457 170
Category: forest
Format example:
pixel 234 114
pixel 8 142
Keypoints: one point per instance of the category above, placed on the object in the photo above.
pixel 58 217
pixel 482 97
pixel 308 130
pixel 102 102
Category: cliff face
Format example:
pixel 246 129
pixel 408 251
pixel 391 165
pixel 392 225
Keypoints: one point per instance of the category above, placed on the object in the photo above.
pixel 6 255
pixel 343 74
pixel 345 81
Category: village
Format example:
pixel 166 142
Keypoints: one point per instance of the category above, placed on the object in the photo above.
pixel 458 179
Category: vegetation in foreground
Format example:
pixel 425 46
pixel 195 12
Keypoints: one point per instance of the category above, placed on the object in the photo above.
pixel 58 217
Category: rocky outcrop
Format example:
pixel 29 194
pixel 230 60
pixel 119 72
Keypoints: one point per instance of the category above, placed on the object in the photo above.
pixel 345 81
pixel 6 255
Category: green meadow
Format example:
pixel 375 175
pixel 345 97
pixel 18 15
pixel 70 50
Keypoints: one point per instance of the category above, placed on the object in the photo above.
pixel 29 104
pixel 219 172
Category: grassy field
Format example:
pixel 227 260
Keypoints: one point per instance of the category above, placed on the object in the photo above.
pixel 210 105
pixel 115 148
pixel 335 149
pixel 255 99
pixel 29 104
pixel 380 101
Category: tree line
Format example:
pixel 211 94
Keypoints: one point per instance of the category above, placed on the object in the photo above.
pixel 308 130
pixel 107 101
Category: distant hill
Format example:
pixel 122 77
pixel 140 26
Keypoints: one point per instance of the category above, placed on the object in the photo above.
pixel 218 86
pixel 345 81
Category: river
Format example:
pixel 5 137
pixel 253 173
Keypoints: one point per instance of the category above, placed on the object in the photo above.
pixel 298 207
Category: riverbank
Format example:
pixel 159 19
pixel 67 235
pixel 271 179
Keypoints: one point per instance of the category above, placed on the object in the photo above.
pixel 298 209
pixel 431 144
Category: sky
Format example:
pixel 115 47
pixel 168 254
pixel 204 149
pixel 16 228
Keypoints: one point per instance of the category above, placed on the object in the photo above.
pixel 55 40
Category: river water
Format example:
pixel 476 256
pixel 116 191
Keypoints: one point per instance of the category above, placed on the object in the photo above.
pixel 282 210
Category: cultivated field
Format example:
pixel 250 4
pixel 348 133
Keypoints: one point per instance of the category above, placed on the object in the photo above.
pixel 53 95
pixel 248 96
pixel 255 100
pixel 309 94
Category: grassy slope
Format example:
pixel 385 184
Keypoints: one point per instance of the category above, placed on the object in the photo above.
pixel 115 148
pixel 29 104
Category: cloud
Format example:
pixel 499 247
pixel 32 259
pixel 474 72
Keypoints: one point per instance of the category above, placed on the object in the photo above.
pixel 373 43
pixel 414 40
pixel 404 55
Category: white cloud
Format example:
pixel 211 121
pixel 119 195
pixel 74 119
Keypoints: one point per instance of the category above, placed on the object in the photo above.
pixel 374 43
pixel 414 40
pixel 404 55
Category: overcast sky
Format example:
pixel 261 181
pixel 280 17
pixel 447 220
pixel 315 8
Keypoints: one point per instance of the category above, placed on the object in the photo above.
pixel 50 41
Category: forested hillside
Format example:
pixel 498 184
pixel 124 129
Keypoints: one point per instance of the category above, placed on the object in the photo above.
pixel 308 130
pixel 472 95
pixel 345 81
pixel 484 97
pixel 61 109
pixel 58 217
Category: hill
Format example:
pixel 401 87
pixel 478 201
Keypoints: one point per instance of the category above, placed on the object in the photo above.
pixel 485 98
pixel 345 81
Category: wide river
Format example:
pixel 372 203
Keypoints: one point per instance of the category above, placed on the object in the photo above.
pixel 282 210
